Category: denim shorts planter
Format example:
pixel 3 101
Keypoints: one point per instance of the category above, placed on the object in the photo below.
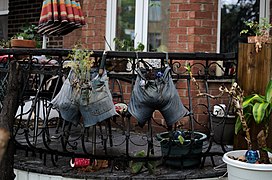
pixel 156 94
pixel 94 103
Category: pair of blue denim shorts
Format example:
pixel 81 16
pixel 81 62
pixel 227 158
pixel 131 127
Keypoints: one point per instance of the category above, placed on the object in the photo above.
pixel 157 94
pixel 93 101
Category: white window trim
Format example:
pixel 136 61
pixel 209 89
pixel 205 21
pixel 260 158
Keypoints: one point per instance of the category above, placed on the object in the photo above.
pixel 4 4
pixel 264 9
pixel 141 23
pixel 111 24
pixel 5 12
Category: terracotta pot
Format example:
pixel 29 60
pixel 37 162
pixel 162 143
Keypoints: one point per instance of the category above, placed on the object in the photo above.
pixel 254 39
pixel 19 43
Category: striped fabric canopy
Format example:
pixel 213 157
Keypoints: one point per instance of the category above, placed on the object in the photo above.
pixel 60 17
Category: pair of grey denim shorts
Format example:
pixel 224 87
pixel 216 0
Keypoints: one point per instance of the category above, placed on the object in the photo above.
pixel 94 103
pixel 158 94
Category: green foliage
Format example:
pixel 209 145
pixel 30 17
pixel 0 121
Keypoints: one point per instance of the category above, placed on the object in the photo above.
pixel 127 45
pixel 267 149
pixel 137 166
pixel 28 32
pixel 4 43
pixel 258 29
pixel 81 63
pixel 257 106
pixel 181 139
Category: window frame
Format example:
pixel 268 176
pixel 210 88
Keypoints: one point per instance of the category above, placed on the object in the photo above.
pixel 4 11
pixel 4 4
pixel 264 13
pixel 141 23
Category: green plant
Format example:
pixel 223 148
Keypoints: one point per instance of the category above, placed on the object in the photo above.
pixel 28 32
pixel 137 166
pixel 127 45
pixel 81 63
pixel 4 43
pixel 259 29
pixel 258 108
pixel 255 106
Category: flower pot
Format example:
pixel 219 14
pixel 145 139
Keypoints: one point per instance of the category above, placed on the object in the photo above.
pixel 20 43
pixel 189 151
pixel 238 170
pixel 223 128
pixel 117 65
pixel 254 39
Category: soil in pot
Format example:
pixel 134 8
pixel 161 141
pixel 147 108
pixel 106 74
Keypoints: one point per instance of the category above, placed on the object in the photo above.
pixel 183 155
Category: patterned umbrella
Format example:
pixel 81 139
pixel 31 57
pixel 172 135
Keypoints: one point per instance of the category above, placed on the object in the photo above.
pixel 60 17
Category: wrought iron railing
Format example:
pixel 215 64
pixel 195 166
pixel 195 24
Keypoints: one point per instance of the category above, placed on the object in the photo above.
pixel 39 127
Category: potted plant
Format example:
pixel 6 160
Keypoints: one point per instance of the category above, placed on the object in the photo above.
pixel 26 38
pixel 183 147
pixel 256 108
pixel 258 32
pixel 121 64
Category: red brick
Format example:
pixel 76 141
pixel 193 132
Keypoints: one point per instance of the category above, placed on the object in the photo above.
pixel 186 23
pixel 189 7
pixel 202 31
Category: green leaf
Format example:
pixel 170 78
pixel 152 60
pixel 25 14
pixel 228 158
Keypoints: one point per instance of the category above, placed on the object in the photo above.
pixel 136 167
pixel 251 99
pixel 259 111
pixel 268 92
pixel 140 153
pixel 181 139
pixel 267 149
pixel 151 166
pixel 238 125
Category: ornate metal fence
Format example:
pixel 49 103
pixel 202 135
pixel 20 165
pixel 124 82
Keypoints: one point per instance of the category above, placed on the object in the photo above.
pixel 38 127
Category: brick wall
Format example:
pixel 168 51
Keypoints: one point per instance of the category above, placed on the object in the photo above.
pixel 22 12
pixel 92 34
pixel 193 25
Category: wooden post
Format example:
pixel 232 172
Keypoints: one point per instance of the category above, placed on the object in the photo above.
pixel 254 73
pixel 7 115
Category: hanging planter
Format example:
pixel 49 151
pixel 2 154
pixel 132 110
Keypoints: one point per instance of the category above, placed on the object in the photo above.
pixel 189 150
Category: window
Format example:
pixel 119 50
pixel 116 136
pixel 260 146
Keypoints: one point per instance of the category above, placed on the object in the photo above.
pixel 4 19
pixel 233 14
pixel 158 19
pixel 140 21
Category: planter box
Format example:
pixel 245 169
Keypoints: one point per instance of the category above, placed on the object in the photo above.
pixel 19 43
pixel 238 170
pixel 224 129
pixel 189 151
pixel 254 39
